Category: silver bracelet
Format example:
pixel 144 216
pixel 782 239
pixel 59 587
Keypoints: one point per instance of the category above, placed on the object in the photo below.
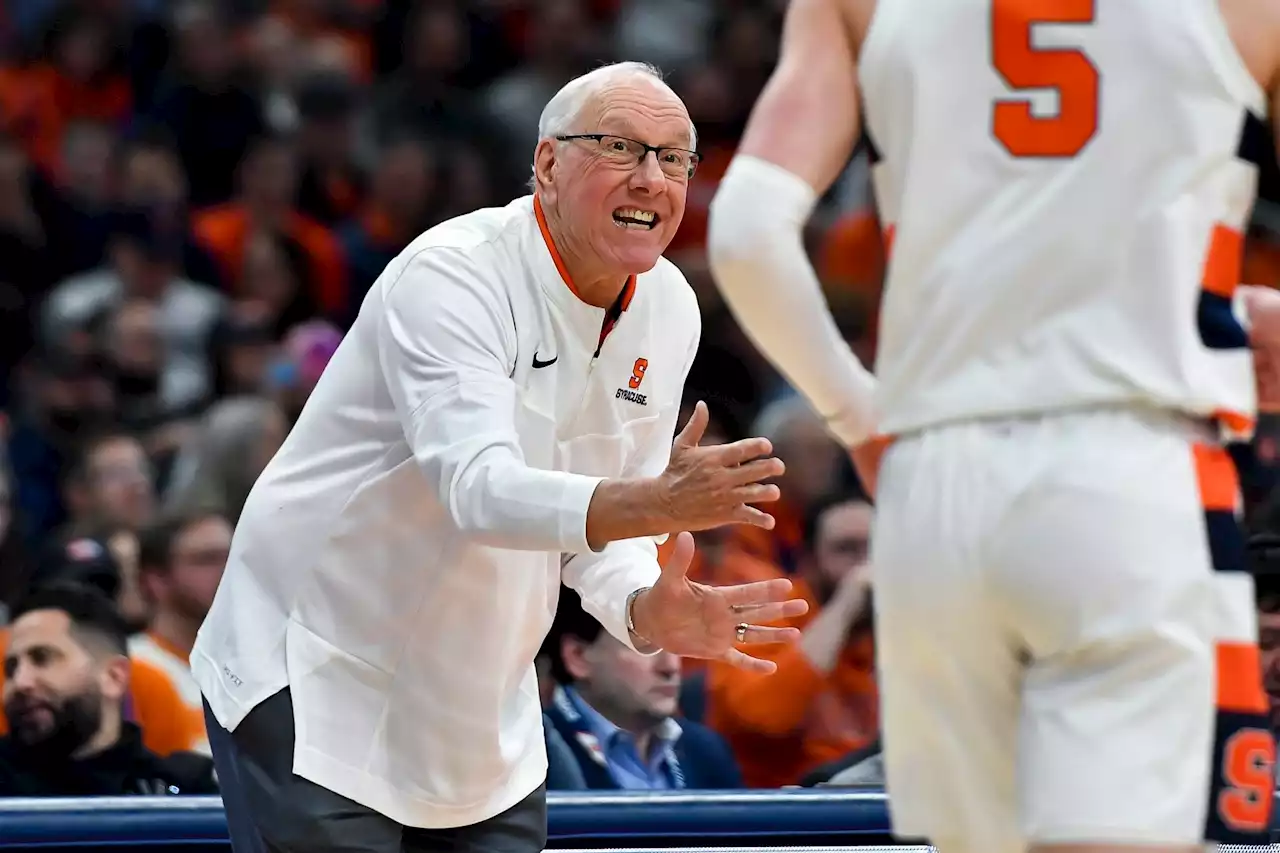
pixel 631 622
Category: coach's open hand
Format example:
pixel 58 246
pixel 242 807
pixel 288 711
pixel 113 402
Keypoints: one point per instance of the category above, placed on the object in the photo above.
pixel 705 487
pixel 699 621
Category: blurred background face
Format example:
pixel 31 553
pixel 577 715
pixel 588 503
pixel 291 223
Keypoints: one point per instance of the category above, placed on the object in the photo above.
pixel 144 273
pixel 119 489
pixel 435 42
pixel 633 691
pixel 404 182
pixel 83 50
pixel 205 51
pixel 75 404
pixel 196 563
pixel 267 275
pixel 841 543
pixel 56 691
pixel 152 176
pixel 814 461
pixel 135 346
pixel 86 161
pixel 270 176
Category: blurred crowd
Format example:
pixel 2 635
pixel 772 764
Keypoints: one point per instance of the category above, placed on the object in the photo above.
pixel 195 197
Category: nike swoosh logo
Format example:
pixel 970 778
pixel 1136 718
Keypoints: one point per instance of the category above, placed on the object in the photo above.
pixel 540 364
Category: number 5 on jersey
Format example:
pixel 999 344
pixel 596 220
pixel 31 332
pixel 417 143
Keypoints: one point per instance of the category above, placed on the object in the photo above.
pixel 1023 66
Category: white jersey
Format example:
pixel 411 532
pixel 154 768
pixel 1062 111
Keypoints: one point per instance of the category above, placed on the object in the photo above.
pixel 1064 201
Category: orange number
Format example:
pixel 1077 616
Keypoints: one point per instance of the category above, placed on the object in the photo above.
pixel 637 373
pixel 1248 767
pixel 1068 72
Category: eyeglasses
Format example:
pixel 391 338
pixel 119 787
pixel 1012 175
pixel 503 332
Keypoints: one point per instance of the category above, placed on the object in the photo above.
pixel 679 163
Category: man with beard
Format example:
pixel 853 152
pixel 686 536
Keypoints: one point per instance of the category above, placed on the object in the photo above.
pixel 821 703
pixel 66 678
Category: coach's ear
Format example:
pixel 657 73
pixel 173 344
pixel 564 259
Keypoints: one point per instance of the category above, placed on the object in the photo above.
pixel 544 167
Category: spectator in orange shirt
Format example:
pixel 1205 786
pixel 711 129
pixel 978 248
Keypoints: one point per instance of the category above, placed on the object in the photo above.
pixel 268 193
pixel 821 703
pixel 815 467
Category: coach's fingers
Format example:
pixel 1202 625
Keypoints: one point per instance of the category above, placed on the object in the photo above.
pixel 695 426
pixel 772 611
pixel 757 635
pixel 742 596
pixel 750 515
pixel 745 661
pixel 740 452
pixel 757 470
pixel 758 493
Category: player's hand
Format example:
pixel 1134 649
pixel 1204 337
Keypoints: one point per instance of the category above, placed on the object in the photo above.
pixel 705 487
pixel 699 621
pixel 1263 307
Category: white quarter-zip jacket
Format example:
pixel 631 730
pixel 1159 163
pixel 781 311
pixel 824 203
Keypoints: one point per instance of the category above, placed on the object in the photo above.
pixel 398 563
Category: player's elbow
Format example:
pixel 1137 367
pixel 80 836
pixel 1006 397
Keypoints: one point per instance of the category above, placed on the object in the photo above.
pixel 757 215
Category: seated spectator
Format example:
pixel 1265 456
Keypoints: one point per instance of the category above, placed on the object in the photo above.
pixel 67 679
pixel 211 116
pixel 403 202
pixel 216 470
pixel 267 201
pixel 108 483
pixel 272 287
pixel 146 261
pixel 331 184
pixel 563 772
pixel 815 464
pixel 148 173
pixel 243 349
pixel 64 401
pixel 181 560
pixel 615 709
pixel 168 725
pixel 821 703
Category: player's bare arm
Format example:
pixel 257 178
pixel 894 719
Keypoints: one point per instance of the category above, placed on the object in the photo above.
pixel 799 138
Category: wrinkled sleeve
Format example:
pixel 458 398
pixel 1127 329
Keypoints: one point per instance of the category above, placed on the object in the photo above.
pixel 446 343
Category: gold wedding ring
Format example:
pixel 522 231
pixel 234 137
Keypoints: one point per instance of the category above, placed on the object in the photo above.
pixel 742 631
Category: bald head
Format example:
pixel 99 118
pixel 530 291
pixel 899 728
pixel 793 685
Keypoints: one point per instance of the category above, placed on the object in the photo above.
pixel 581 97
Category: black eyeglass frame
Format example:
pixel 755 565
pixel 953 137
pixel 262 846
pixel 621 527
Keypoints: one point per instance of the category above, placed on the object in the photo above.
pixel 695 157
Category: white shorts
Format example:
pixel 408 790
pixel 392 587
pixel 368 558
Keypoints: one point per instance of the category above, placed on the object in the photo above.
pixel 1067 638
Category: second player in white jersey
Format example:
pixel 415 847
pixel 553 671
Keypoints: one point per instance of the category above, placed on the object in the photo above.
pixel 1065 185
pixel 1065 633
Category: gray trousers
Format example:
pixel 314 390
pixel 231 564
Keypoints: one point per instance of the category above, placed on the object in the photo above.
pixel 271 810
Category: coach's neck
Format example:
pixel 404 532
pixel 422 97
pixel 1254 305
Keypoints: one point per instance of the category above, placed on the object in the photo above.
pixel 595 281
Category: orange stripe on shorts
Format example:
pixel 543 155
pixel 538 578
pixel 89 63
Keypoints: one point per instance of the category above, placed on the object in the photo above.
pixel 1223 261
pixel 1217 478
pixel 1240 679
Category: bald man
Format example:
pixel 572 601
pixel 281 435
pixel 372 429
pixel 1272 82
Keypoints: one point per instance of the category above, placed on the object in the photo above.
pixel 501 418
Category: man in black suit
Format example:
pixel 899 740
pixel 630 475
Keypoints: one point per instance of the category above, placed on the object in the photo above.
pixel 615 709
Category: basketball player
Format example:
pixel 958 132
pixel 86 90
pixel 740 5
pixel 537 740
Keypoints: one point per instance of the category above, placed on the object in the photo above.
pixel 1067 645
